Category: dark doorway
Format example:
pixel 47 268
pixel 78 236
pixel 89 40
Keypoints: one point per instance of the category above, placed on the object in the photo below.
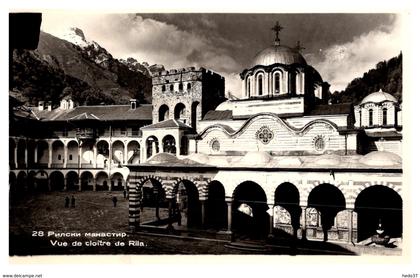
pixel 287 196
pixel 216 207
pixel 378 204
pixel 186 196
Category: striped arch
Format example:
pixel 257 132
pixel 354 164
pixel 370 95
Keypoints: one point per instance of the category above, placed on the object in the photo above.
pixel 142 180
pixel 352 197
pixel 171 186
pixel 298 183
pixel 310 186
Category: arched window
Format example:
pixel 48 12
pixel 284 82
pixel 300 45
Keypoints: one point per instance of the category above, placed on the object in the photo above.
pixel 370 117
pixel 260 84
pixel 169 144
pixel 163 113
pixel 171 87
pixel 180 111
pixel 299 83
pixel 163 88
pixel 384 116
pixel 248 86
pixel 188 86
pixel 181 86
pixel 277 83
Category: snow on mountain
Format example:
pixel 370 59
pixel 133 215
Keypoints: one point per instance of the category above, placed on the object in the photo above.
pixel 75 36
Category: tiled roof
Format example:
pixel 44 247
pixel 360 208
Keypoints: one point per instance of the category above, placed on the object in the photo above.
pixel 99 112
pixel 333 109
pixel 167 124
pixel 383 134
pixel 214 115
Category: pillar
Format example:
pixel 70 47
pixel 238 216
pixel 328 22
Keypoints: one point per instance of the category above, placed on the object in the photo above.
pixel 26 155
pixel 229 213
pixel 270 232
pixel 49 184
pixel 94 184
pixel 15 156
pixel 79 158
pixel 160 146
pixel 133 207
pixel 36 154
pixel 109 184
pixel 65 156
pixel 203 212
pixel 79 181
pixel 125 158
pixel 65 184
pixel 49 155
pixel 154 144
pixel 304 223
pixel 110 157
pixel 156 197
pixel 350 225
pixel 244 87
pixel 95 154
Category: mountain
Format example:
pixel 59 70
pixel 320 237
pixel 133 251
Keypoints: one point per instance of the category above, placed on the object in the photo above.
pixel 386 76
pixel 81 68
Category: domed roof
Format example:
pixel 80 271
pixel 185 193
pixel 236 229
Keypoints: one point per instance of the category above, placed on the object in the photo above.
pixel 378 97
pixel 278 54
pixel 327 160
pixel 381 158
pixel 256 158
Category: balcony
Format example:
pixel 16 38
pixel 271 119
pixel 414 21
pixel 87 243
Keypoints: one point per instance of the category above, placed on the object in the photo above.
pixel 87 133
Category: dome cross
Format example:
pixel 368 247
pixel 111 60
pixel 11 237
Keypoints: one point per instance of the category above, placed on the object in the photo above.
pixel 277 28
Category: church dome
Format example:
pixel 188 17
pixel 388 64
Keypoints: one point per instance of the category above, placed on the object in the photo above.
pixel 378 97
pixel 278 54
pixel 381 158
pixel 256 158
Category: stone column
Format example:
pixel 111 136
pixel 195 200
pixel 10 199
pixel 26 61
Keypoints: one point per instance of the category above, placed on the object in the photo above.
pixel 79 159
pixel 271 209
pixel 229 217
pixel 65 184
pixel 304 223
pixel 265 85
pixel 95 154
pixel 110 157
pixel 154 144
pixel 65 156
pixel 133 207
pixel 94 184
pixel 160 146
pixel 15 151
pixel 26 155
pixel 36 154
pixel 244 87
pixel 79 182
pixel 49 155
pixel 49 184
pixel 350 225
pixel 125 158
pixel 203 212
pixel 108 181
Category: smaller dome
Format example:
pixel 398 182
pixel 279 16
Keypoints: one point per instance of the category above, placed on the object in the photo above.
pixel 381 158
pixel 256 158
pixel 378 97
pixel 328 160
pixel 290 161
pixel 199 157
pixel 226 105
pixel 163 158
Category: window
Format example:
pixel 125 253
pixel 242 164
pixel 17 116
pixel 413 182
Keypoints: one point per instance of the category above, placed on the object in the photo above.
pixel 70 157
pixel 133 105
pixel 276 82
pixel 188 86
pixel 370 117
pixel 265 135
pixel 181 86
pixel 59 157
pixel 260 84
pixel 171 87
pixel 163 113
pixel 384 116
pixel 163 88
pixel 123 131
pixel 169 145
pixel 215 145
pixel 319 143
pixel 248 87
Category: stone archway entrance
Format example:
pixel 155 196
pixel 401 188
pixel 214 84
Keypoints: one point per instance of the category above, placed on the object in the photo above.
pixel 250 219
pixel 187 201
pixel 378 204
pixel 216 207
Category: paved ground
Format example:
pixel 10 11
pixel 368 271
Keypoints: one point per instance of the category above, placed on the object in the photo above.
pixel 95 213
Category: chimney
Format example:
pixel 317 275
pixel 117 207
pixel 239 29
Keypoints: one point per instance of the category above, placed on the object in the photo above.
pixel 41 105
pixel 133 104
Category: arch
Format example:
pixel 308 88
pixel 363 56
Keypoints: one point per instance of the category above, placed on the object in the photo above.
pixel 287 197
pixel 58 152
pixel 370 111
pixel 21 147
pixel 21 180
pixel 86 181
pixel 42 152
pixel 118 152
pixel 328 200
pixel 260 83
pixel 12 186
pixel 188 86
pixel 216 206
pixel 12 146
pixel 249 211
pixel 57 181
pixel 187 202
pixel 163 88
pixel 87 154
pixel 385 116
pixel 163 113
pixel 153 195
pixel 300 83
pixel 117 181
pixel 73 154
pixel 41 181
pixel 102 156
pixel 72 181
pixel 31 145
pixel 378 204
pixel 102 182
pixel 152 146
pixel 184 150
pixel 180 86
pixel 194 114
pixel 169 144
pixel 180 112
pixel 133 152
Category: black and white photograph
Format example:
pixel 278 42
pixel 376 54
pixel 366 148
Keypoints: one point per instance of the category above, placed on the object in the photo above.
pixel 174 133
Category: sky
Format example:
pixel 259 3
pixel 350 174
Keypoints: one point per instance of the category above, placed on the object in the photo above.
pixel 340 46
